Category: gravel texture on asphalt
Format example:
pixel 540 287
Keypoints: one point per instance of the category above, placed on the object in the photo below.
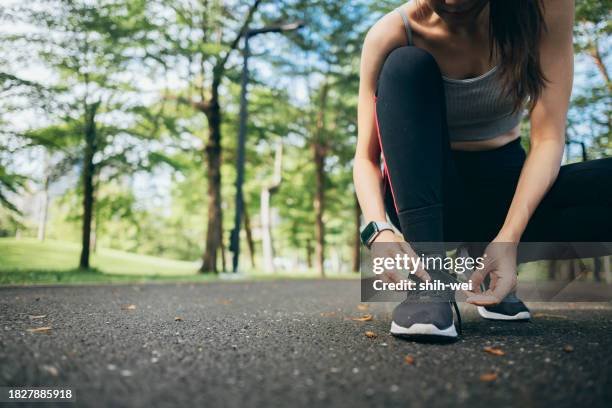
pixel 290 343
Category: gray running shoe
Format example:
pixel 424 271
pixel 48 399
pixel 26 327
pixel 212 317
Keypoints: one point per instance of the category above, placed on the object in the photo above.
pixel 427 315
pixel 431 321
pixel 511 308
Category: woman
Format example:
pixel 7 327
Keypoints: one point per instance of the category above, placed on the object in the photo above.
pixel 443 86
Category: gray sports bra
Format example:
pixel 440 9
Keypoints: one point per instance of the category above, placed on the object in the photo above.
pixel 476 108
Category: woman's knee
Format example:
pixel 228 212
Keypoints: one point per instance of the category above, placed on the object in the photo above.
pixel 409 65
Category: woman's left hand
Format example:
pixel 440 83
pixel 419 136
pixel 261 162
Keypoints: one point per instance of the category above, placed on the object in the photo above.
pixel 500 263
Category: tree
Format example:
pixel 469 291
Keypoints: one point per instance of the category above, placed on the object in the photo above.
pixel 196 42
pixel 100 121
pixel 332 69
pixel 592 104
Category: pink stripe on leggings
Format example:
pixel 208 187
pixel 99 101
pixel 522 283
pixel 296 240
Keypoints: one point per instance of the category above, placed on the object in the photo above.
pixel 386 171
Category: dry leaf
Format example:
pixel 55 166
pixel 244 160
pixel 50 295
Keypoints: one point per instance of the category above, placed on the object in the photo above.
pixel 362 306
pixel 34 317
pixel 178 319
pixel 409 360
pixel 371 334
pixel 225 301
pixel 50 370
pixel 328 314
pixel 568 348
pixel 128 307
pixel 45 329
pixel 494 350
pixel 364 318
pixel 488 377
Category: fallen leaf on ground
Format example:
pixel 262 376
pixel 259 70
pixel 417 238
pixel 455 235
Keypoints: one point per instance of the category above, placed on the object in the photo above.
pixel 488 377
pixel 363 306
pixel 50 370
pixel 225 301
pixel 178 319
pixel 409 360
pixel 128 307
pixel 34 317
pixel 552 316
pixel 328 314
pixel 45 329
pixel 371 334
pixel 568 348
pixel 494 350
pixel 364 318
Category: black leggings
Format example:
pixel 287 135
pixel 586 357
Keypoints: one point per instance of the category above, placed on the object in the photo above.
pixel 436 194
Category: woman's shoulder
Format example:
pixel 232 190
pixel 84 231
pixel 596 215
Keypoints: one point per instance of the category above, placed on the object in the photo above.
pixel 388 31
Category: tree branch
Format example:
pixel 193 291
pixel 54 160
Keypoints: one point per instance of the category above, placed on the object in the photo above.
pixel 220 66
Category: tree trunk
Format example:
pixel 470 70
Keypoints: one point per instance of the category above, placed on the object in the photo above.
pixel 249 234
pixel 213 163
pixel 44 209
pixel 266 233
pixel 88 185
pixel 319 206
pixel 356 240
pixel 607 269
pixel 309 253
pixel 222 251
pixel 597 268
pixel 96 222
pixel 319 153
pixel 264 208
pixel 601 66
pixel 552 269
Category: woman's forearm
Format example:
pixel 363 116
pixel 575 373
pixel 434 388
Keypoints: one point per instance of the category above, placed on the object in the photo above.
pixel 537 176
pixel 368 187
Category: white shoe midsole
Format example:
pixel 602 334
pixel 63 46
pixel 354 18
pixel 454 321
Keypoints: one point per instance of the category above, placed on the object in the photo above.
pixel 424 329
pixel 484 313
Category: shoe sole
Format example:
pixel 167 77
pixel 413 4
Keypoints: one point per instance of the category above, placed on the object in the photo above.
pixel 485 314
pixel 424 332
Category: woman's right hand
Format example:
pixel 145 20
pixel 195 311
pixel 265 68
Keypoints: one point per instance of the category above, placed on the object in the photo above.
pixel 390 245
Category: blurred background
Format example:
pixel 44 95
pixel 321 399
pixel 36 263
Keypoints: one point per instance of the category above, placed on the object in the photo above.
pixel 120 153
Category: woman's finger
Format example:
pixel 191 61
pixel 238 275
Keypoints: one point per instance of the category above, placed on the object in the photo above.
pixel 503 286
pixel 477 278
pixel 482 299
pixel 422 275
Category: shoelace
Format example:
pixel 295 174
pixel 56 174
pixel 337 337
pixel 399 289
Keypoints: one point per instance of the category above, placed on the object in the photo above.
pixel 459 324
pixel 428 294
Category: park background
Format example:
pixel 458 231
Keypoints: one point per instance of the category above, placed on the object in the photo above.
pixel 119 125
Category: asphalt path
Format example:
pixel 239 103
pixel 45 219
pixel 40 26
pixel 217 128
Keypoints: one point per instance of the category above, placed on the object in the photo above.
pixel 291 343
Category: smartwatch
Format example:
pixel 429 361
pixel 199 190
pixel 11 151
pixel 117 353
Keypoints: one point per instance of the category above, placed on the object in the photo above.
pixel 371 230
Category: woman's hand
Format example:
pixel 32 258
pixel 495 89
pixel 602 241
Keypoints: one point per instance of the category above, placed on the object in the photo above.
pixel 500 265
pixel 388 245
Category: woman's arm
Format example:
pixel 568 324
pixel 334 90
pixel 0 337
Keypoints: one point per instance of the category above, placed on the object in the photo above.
pixel 385 35
pixel 548 120
pixel 542 165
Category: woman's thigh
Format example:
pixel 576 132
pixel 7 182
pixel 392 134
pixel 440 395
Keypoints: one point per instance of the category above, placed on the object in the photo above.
pixel 479 198
pixel 578 206
pixel 577 209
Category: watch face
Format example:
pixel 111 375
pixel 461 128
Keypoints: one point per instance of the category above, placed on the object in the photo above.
pixel 367 232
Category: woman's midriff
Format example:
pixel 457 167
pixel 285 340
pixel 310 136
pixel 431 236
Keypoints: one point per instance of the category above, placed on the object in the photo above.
pixel 488 144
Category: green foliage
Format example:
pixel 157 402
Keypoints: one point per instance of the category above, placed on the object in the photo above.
pixel 147 70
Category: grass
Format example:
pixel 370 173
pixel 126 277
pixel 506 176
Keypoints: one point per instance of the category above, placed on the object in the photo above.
pixel 28 261
pixel 31 261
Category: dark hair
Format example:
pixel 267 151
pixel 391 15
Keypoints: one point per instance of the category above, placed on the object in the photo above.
pixel 515 29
